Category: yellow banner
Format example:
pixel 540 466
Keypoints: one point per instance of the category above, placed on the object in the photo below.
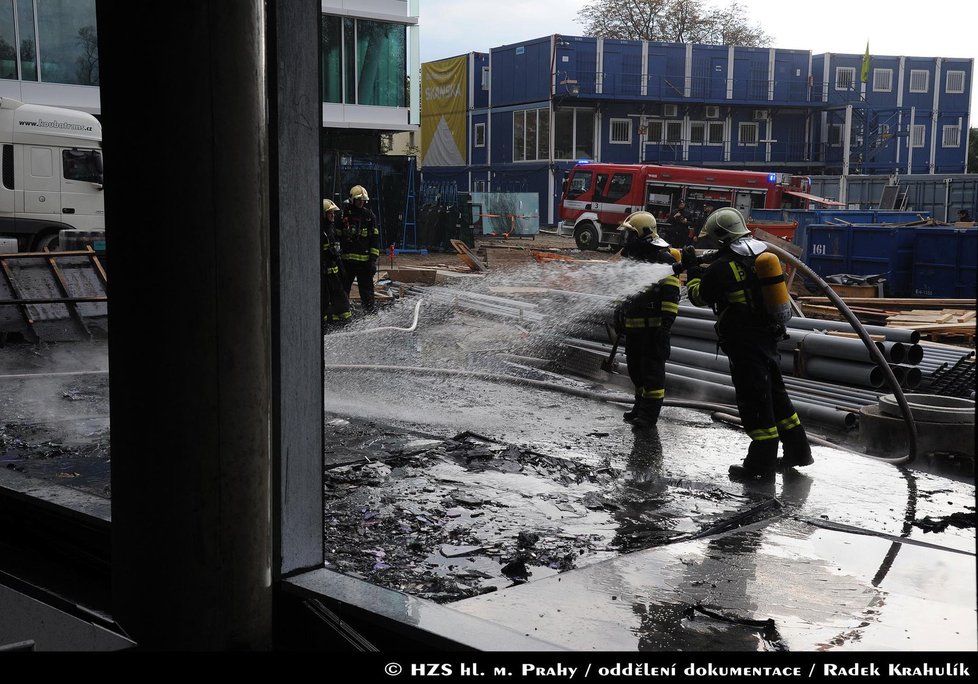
pixel 444 90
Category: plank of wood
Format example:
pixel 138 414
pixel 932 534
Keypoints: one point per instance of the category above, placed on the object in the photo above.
pixel 899 302
pixel 468 258
pixel 840 333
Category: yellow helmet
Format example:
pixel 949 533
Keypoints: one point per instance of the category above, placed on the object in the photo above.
pixel 359 192
pixel 725 225
pixel 641 224
pixel 329 205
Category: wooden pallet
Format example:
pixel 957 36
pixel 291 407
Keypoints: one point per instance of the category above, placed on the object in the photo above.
pixel 53 296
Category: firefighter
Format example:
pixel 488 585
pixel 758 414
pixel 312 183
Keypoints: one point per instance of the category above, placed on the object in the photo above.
pixel 360 246
pixel 336 304
pixel 748 330
pixel 646 318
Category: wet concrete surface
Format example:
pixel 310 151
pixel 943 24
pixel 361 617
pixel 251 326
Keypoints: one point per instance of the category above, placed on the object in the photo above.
pixel 544 513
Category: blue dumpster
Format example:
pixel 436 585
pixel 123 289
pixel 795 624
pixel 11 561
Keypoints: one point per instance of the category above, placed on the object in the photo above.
pixel 864 249
pixel 945 262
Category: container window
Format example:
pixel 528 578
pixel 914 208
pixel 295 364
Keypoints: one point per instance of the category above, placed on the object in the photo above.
pixel 951 137
pixel 919 80
pixel 480 134
pixel 747 134
pixel 917 134
pixel 620 132
pixel 955 82
pixel 485 78
pixel 835 135
pixel 845 77
pixel 716 133
pixel 674 131
pixel 882 80
pixel 655 132
pixel 697 133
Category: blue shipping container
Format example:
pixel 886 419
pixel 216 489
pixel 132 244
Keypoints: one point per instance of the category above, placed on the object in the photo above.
pixel 945 263
pixel 864 249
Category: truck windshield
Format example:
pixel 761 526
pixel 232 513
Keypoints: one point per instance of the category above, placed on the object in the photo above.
pixel 82 165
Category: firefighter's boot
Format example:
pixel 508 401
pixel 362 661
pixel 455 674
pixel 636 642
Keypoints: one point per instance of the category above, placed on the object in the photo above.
pixel 631 414
pixel 648 414
pixel 761 461
pixel 797 450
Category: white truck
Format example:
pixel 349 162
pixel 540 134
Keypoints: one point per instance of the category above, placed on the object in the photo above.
pixel 50 174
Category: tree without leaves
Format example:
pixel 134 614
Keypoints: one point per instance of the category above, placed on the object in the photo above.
pixel 671 21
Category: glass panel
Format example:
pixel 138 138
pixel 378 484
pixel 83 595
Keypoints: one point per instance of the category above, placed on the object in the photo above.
pixel 68 41
pixel 674 131
pixel 350 61
pixel 716 133
pixel 697 133
pixel 82 165
pixel 621 184
pixel 580 184
pixel 518 139
pixel 8 41
pixel 543 135
pixel 585 135
pixel 564 134
pixel 655 132
pixel 381 63
pixel 531 134
pixel 28 47
pixel 331 36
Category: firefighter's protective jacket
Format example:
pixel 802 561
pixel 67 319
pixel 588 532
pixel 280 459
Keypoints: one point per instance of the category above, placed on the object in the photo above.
pixel 358 235
pixel 656 305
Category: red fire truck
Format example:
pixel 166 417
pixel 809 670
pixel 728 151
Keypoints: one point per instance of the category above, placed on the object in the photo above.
pixel 598 197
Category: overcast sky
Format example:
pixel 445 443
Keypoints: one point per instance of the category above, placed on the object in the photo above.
pixel 932 28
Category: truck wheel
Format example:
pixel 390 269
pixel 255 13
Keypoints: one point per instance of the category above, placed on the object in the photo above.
pixel 586 236
pixel 50 240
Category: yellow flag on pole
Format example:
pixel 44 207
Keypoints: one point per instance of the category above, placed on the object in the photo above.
pixel 865 72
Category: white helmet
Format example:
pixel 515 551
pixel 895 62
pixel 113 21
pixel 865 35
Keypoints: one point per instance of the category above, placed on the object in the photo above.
pixel 329 205
pixel 359 192
pixel 725 225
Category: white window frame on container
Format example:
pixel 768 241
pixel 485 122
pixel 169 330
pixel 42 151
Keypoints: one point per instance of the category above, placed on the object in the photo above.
pixel 541 149
pixel 954 82
pixel 655 131
pixel 485 78
pixel 674 132
pixel 918 135
pixel 697 132
pixel 716 133
pixel 479 135
pixel 835 135
pixel 916 76
pixel 845 78
pixel 951 136
pixel 620 131
pixel 882 80
pixel 749 140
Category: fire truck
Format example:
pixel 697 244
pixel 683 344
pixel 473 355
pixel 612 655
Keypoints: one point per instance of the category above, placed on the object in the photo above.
pixel 597 197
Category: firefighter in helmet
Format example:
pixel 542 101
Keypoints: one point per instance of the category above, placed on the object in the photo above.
pixel 360 245
pixel 645 319
pixel 336 304
pixel 745 287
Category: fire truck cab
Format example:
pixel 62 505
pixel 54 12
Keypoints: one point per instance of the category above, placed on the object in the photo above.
pixel 598 197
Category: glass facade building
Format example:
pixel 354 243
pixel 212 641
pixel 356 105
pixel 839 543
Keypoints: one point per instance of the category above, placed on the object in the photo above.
pixel 49 41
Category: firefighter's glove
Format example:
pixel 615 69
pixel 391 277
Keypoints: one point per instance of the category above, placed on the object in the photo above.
pixel 678 268
pixel 689 259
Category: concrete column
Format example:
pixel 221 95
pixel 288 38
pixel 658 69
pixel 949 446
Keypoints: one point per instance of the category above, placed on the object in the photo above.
pixel 191 203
